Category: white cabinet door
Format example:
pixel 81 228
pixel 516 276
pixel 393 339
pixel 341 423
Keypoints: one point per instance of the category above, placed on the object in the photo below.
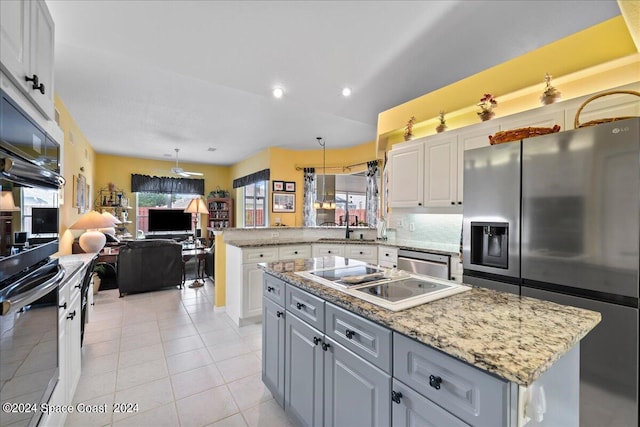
pixel 407 175
pixel 474 138
pixel 41 56
pixel 440 172
pixel 318 250
pixel 74 355
pixel 14 39
pixel 387 256
pixel 366 253
pixel 251 292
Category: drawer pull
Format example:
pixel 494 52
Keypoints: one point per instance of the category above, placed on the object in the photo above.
pixel 261 255
pixel 325 346
pixel 279 313
pixel 295 252
pixel 396 396
pixel 349 333
pixel 361 252
pixel 435 381
pixel 316 340
pixel 63 306
pixel 270 289
pixel 300 305
pixel 328 252
pixel 71 315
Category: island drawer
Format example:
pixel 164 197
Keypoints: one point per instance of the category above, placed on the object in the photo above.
pixel 273 288
pixel 387 257
pixel 474 396
pixel 306 306
pixel 367 253
pixel 368 340
pixel 259 255
pixel 295 251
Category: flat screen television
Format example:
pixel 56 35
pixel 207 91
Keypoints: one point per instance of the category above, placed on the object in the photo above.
pixel 44 220
pixel 169 220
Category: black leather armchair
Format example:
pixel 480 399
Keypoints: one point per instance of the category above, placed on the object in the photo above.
pixel 147 265
pixel 209 261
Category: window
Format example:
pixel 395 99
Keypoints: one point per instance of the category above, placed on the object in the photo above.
pixel 36 198
pixel 158 200
pixel 357 208
pixel 255 197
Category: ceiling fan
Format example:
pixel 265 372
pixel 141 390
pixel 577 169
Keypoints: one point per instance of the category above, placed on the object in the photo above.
pixel 179 171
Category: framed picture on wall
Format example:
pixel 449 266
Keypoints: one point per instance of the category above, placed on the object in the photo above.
pixel 290 187
pixel 278 185
pixel 283 202
pixel 80 189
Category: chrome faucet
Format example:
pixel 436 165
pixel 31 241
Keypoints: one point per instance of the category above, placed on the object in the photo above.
pixel 346 215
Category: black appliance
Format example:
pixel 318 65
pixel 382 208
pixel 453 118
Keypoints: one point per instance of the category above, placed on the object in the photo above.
pixel 29 278
pixel 571 204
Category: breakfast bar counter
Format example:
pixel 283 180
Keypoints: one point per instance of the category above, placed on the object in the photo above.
pixel 515 338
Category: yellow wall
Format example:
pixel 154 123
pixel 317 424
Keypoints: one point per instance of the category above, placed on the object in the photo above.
pixel 600 44
pixel 118 170
pixel 78 157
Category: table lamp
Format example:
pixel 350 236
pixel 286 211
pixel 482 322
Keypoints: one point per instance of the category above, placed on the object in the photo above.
pixel 6 202
pixel 196 206
pixel 92 241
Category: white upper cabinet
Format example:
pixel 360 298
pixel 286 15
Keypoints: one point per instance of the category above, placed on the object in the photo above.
pixel 407 175
pixel 476 137
pixel 26 50
pixel 440 171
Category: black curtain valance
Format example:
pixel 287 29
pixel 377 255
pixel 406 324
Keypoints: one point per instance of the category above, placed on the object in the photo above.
pixel 165 184
pixel 263 175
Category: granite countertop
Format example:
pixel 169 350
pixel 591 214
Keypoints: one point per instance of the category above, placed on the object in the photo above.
pixel 516 338
pixel 73 263
pixel 436 248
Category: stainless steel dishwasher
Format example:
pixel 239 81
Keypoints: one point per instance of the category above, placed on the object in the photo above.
pixel 424 263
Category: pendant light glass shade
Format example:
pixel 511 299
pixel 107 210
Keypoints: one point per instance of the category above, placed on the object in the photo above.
pixel 325 203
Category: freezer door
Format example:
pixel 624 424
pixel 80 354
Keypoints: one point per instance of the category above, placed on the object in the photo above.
pixel 608 362
pixel 580 199
pixel 492 206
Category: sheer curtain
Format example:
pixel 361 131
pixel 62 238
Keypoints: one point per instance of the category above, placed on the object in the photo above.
pixel 372 193
pixel 308 212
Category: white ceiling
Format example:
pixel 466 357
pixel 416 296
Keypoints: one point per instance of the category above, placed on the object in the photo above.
pixel 144 77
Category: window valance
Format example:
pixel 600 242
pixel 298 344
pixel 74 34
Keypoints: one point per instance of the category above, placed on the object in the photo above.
pixel 263 175
pixel 164 184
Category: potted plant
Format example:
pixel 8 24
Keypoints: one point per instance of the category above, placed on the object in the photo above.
pixel 487 104
pixel 443 124
pixel 550 94
pixel 99 272
pixel 408 129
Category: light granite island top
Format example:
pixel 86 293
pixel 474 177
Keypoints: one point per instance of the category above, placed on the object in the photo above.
pixel 516 338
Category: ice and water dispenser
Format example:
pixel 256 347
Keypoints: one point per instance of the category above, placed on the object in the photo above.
pixel 490 244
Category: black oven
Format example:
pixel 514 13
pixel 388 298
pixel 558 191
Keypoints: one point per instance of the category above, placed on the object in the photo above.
pixel 29 277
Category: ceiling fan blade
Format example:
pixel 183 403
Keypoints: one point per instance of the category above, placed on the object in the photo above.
pixel 195 173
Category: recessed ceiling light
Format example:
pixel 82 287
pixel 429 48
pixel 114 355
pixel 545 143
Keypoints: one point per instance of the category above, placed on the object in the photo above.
pixel 346 92
pixel 278 92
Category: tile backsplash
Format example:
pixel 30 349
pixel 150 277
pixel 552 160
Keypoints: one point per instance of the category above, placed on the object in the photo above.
pixel 431 228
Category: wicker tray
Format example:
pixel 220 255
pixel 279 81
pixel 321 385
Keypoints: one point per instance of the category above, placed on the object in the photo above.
pixel 518 134
pixel 576 121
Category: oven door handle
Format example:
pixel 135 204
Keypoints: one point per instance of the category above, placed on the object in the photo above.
pixel 18 301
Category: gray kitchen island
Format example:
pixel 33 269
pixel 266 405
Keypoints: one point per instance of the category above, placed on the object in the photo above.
pixel 481 357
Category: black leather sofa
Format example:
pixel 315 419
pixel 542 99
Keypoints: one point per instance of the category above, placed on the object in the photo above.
pixel 147 265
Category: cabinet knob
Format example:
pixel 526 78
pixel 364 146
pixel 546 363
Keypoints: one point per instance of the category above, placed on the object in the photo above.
pixel 71 315
pixel 325 346
pixel 328 252
pixel 349 333
pixel 36 83
pixel 269 288
pixel 316 340
pixel 453 203
pixel 300 305
pixel 361 252
pixel 261 255
pixel 435 381
pixel 459 203
pixel 396 396
pixel 63 306
pixel 78 286
pixel 279 313
pixel 419 204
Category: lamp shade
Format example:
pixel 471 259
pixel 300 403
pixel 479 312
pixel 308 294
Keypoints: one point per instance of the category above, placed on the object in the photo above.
pixel 196 205
pixel 112 217
pixel 93 220
pixel 6 202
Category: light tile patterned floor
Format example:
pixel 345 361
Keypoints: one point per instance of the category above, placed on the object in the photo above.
pixel 178 360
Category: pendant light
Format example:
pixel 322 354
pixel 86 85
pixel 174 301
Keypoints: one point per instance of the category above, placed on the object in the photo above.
pixel 324 203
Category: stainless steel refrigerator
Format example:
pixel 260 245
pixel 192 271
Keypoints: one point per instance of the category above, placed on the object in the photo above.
pixel 557 217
